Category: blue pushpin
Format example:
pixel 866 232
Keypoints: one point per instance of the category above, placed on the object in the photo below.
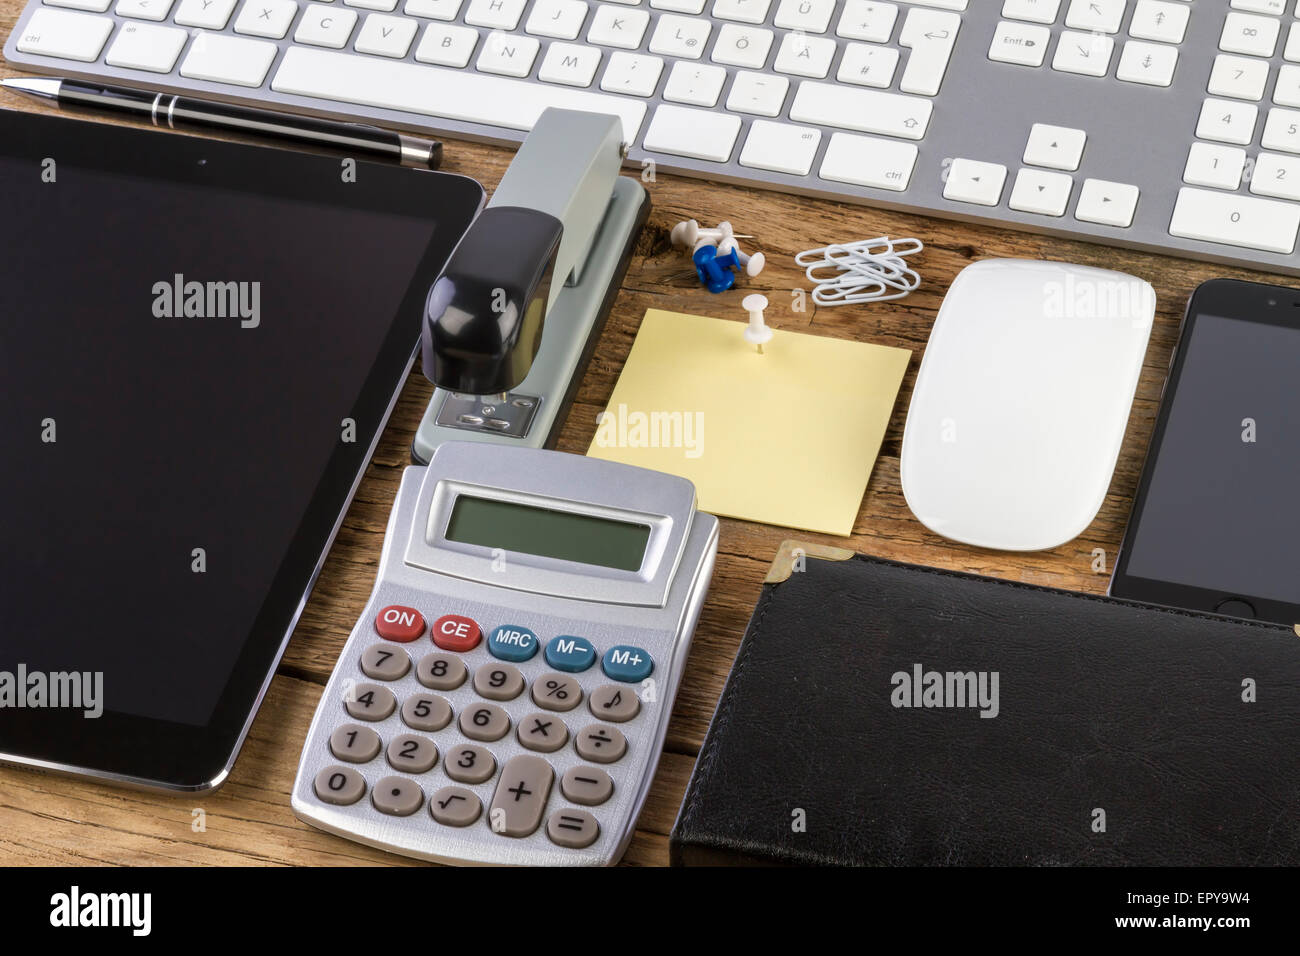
pixel 715 271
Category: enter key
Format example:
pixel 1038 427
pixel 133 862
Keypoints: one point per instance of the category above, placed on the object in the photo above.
pixel 930 35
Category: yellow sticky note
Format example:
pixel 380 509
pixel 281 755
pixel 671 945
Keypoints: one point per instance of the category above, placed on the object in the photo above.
pixel 788 437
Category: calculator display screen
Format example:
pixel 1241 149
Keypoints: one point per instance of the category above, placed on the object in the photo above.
pixel 547 533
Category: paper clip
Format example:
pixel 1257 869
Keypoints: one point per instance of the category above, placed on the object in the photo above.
pixel 870 270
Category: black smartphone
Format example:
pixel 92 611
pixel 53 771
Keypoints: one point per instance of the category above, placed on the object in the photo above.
pixel 1216 521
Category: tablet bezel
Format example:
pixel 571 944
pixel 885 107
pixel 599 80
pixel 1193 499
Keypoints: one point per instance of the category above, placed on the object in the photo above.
pixel 153 753
pixel 1234 299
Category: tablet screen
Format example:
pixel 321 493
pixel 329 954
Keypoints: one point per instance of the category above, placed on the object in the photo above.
pixel 1220 510
pixel 194 373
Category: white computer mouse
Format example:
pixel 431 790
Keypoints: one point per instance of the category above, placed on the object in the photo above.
pixel 1022 400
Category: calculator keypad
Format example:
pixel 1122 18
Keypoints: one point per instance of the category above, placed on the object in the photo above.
pixel 438 774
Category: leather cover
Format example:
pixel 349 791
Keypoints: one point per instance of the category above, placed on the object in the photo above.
pixel 1104 706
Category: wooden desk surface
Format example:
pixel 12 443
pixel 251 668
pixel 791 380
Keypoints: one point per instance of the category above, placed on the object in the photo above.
pixel 53 820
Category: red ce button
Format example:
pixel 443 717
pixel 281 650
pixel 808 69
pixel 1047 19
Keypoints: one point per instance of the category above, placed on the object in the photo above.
pixel 452 632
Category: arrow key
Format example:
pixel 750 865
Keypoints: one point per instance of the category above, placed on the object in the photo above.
pixel 1044 193
pixel 1056 147
pixel 1106 203
pixel 979 183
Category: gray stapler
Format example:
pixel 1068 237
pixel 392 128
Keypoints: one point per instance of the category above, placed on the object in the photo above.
pixel 512 320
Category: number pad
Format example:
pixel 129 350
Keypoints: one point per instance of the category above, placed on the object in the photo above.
pixel 441 671
pixel 411 753
pixel 427 712
pixel 485 722
pixel 455 806
pixel 601 743
pixel 467 763
pixel 556 691
pixel 370 702
pixel 354 743
pixel 543 732
pixel 385 663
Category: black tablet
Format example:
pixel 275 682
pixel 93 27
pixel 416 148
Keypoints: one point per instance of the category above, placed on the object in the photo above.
pixel 201 343
pixel 1216 519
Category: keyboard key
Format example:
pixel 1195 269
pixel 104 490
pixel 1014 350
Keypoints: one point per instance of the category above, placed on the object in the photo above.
pixel 930 36
pixel 205 14
pixel 383 6
pixel 1095 15
pixel 1227 122
pixel 632 73
pixel 683 132
pixel 1249 34
pixel 611 26
pixel 808 16
pixel 427 712
pixel 227 59
pixel 805 55
pixel 485 722
pixel 1287 91
pixel 1282 131
pixel 441 671
pixel 156 10
pixel 1020 43
pixel 612 702
pixel 263 18
pixel 397 796
pixel 338 785
pixel 1087 54
pixel 867 161
pixel 455 632
pixel 693 7
pixel 555 691
pixel 508 641
pixel 627 663
pixel 1212 165
pixel 600 743
pixel 863 111
pixel 445 45
pixel 495 14
pixel 383 35
pixel 1238 76
pixel 498 681
pixel 397 622
pixel 574 829
pixel 740 46
pixel 433 9
pixel 1277 7
pixel 759 93
pixel 505 54
pixel 323 25
pixel 1159 20
pixel 466 763
pixel 140 46
pixel 354 743
pixel 974 182
pixel 1107 203
pixel 742 11
pixel 680 36
pixel 385 662
pixel 90 6
pixel 1276 175
pixel 520 796
pixel 1041 192
pixel 1056 147
pixel 867 65
pixel 695 84
pixel 570 64
pixel 1236 220
pixel 1292 51
pixel 1151 64
pixel 411 753
pixel 867 20
pixel 455 806
pixel 560 19
pixel 1035 11
pixel 72 36
pixel 780 147
pixel 589 786
pixel 544 733
pixel 370 702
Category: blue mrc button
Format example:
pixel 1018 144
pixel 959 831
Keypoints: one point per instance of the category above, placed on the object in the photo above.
pixel 569 653
pixel 512 643
pixel 627 663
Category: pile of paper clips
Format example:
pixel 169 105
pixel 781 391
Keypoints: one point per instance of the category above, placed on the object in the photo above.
pixel 871 270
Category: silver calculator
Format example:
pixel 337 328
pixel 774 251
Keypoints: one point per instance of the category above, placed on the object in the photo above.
pixel 503 698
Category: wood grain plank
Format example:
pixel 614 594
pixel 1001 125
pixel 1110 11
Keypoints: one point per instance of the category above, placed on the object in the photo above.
pixel 53 820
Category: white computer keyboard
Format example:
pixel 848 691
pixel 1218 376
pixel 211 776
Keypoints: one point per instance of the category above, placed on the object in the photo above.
pixel 1167 125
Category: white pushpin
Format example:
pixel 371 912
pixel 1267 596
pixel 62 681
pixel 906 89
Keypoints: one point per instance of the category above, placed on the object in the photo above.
pixel 753 264
pixel 689 233
pixel 757 330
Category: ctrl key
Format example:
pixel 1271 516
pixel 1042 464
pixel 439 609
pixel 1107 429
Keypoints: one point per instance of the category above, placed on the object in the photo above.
pixel 339 785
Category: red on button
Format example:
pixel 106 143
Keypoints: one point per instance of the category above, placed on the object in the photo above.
pixel 399 623
pixel 452 632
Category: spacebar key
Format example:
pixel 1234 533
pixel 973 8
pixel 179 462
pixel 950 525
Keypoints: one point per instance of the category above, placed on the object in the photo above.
pixel 449 94
pixel 1236 220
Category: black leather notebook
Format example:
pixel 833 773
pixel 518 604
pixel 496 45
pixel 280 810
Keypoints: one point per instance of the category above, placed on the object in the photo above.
pixel 886 714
